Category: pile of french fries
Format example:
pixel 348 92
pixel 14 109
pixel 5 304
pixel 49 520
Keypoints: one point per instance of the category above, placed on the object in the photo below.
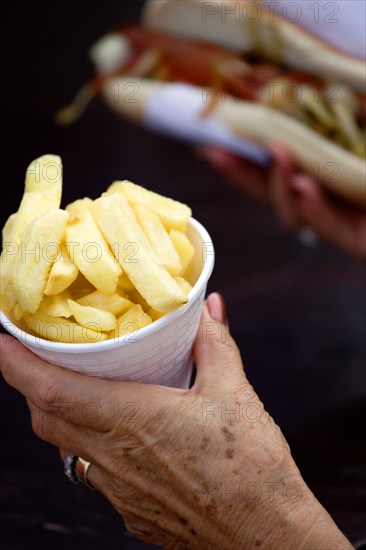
pixel 97 270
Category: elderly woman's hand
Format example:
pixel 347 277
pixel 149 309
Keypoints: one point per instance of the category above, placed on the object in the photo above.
pixel 203 468
pixel 295 197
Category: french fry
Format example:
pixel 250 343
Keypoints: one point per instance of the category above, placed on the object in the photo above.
pixel 140 235
pixel 10 249
pixel 78 206
pixel 19 312
pixel 91 254
pixel 173 214
pixel 184 285
pixel 42 193
pixel 63 273
pixel 58 329
pixel 184 249
pixel 134 319
pixel 155 315
pixel 124 283
pixel 115 303
pixel 80 287
pixel 119 225
pixel 8 227
pixel 56 306
pixel 136 298
pixel 40 247
pixel 159 239
pixel 92 318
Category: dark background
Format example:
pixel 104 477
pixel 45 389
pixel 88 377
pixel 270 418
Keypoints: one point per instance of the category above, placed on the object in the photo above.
pixel 297 313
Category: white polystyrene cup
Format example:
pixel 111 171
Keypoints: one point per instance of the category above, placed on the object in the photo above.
pixel 160 353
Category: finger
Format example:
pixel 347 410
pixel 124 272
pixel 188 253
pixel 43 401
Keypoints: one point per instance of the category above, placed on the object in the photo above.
pixel 160 531
pixel 282 194
pixel 344 227
pixel 243 174
pixel 216 355
pixel 284 160
pixel 78 440
pixel 93 402
pixel 56 390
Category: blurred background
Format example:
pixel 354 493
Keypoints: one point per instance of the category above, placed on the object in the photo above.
pixel 297 313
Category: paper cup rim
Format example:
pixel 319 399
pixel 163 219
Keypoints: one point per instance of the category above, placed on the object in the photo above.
pixel 63 347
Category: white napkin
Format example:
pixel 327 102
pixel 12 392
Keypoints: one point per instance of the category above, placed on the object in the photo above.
pixel 175 109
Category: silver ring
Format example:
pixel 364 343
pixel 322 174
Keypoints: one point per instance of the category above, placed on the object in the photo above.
pixel 69 468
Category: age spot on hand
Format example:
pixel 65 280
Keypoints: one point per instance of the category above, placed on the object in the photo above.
pixel 229 436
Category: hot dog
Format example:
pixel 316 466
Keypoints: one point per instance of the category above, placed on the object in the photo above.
pixel 261 78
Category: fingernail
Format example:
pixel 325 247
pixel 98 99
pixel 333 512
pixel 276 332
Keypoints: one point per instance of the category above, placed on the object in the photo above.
pixel 279 154
pixel 217 308
pixel 296 185
pixel 216 156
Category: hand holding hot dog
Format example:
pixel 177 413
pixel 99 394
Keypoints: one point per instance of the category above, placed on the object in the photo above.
pixel 295 197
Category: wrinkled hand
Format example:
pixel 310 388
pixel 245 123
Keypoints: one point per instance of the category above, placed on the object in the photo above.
pixel 203 468
pixel 296 198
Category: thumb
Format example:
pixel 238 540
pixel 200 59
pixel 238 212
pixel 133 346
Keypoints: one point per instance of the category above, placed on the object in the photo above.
pixel 217 358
